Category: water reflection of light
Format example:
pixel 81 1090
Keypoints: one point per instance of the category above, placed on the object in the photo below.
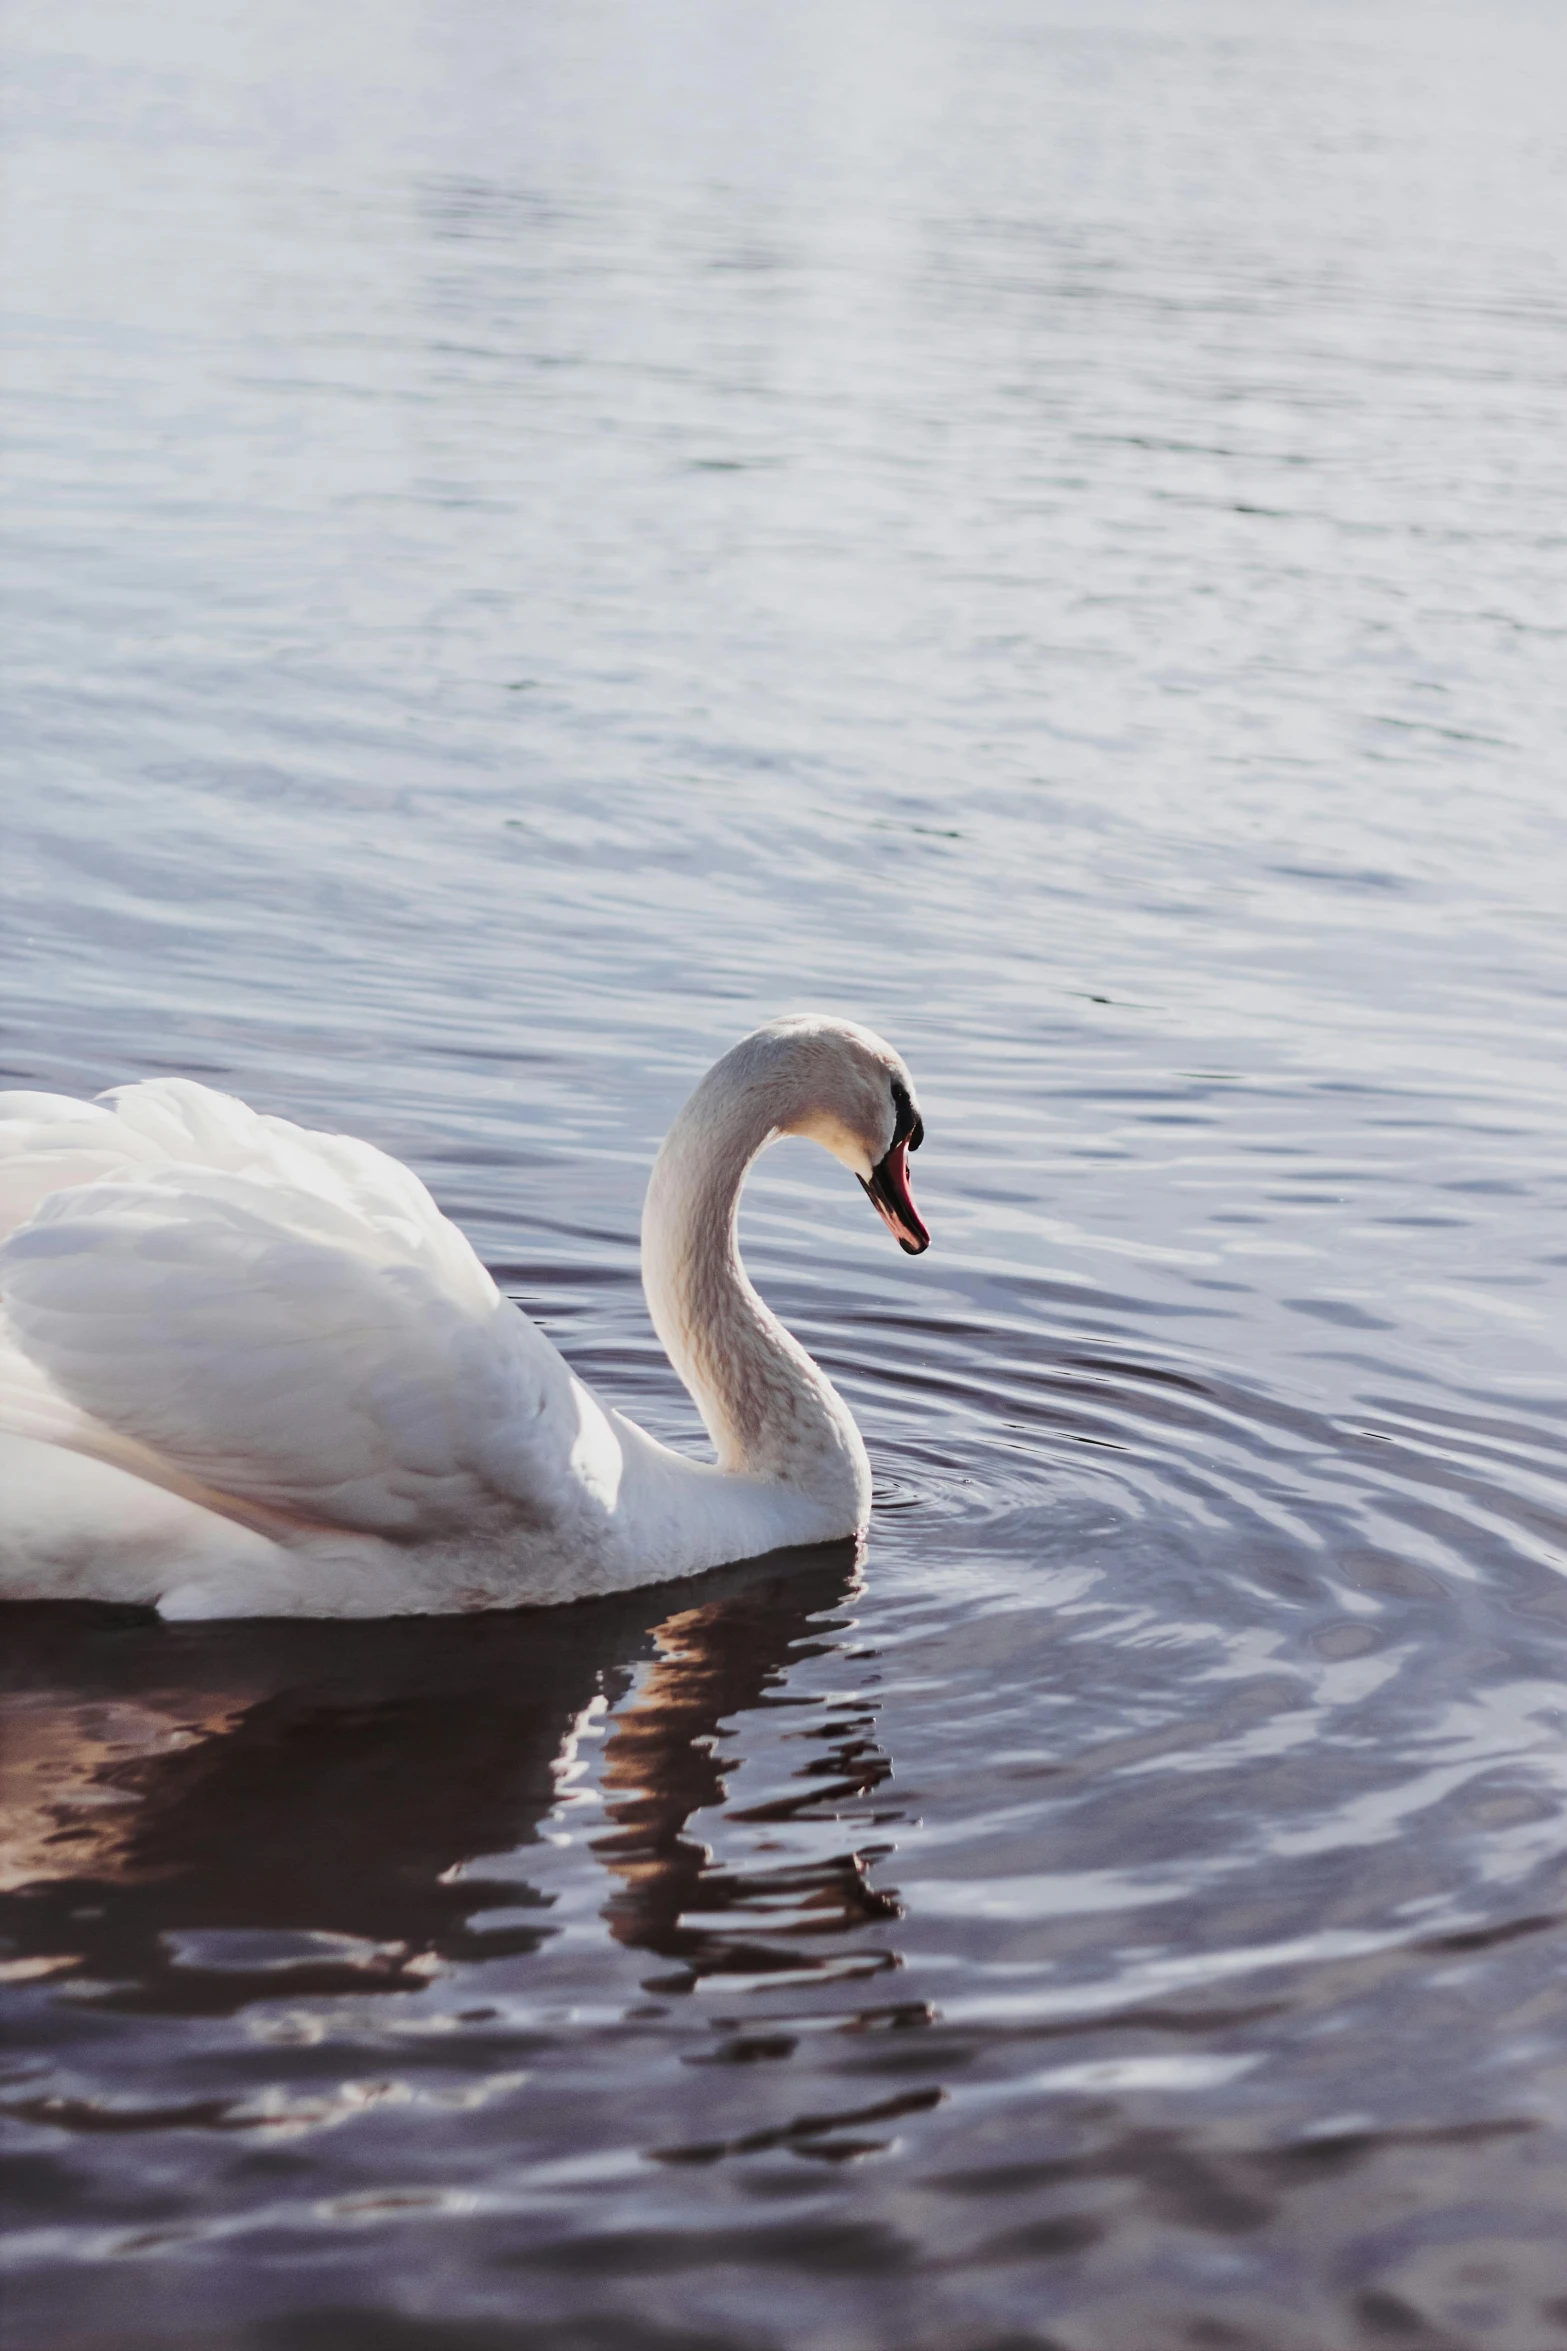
pixel 62 1815
pixel 664 1763
pixel 205 1819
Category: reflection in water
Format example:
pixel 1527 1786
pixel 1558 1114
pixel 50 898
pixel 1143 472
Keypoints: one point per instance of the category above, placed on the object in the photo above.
pixel 196 1818
pixel 663 1762
pixel 551 534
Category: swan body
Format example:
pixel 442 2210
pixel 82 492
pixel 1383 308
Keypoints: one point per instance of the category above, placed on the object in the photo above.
pixel 251 1370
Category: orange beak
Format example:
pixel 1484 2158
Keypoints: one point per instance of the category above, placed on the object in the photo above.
pixel 889 1194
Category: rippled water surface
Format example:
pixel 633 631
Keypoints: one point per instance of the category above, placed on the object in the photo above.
pixel 541 534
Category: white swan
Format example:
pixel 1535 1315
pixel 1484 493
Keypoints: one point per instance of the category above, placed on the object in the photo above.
pixel 250 1370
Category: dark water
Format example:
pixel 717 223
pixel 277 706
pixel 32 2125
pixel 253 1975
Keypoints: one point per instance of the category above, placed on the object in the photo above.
pixel 540 535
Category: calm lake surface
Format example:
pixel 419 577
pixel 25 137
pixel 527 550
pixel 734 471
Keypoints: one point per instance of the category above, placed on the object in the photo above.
pixel 542 535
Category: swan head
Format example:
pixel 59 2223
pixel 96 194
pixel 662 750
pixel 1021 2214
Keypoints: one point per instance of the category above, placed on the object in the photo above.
pixel 848 1090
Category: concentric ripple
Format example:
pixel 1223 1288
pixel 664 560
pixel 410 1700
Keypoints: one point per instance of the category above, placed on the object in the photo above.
pixel 544 536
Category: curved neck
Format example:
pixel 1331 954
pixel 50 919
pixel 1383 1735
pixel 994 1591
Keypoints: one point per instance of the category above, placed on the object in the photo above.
pixel 771 1413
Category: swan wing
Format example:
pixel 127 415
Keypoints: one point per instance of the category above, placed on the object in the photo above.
pixel 48 1141
pixel 281 1316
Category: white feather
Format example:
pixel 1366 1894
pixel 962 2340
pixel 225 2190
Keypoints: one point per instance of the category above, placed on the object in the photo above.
pixel 245 1367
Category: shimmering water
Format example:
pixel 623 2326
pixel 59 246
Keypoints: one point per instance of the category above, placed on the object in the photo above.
pixel 540 535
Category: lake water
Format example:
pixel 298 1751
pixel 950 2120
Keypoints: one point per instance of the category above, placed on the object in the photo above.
pixel 542 535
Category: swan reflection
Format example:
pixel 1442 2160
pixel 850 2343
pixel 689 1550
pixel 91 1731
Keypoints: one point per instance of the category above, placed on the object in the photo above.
pixel 194 1818
pixel 663 1762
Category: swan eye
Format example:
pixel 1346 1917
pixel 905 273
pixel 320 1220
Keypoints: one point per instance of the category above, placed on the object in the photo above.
pixel 909 1127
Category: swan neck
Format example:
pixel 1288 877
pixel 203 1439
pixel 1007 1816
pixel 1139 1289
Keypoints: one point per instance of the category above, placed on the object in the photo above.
pixel 770 1411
